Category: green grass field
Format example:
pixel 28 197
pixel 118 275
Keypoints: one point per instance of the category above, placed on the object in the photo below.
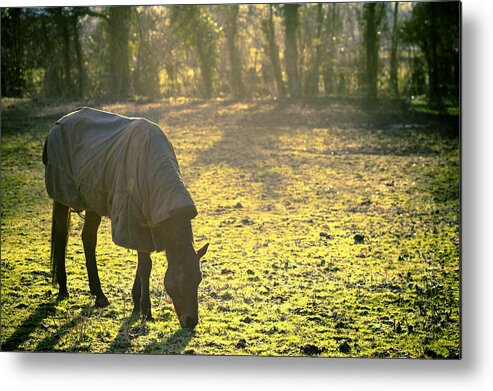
pixel 333 230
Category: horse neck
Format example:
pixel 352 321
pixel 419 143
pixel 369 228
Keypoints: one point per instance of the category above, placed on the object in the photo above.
pixel 179 232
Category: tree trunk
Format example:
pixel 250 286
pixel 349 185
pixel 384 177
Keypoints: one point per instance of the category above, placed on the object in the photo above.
pixel 147 71
pixel 371 51
pixel 234 56
pixel 206 66
pixel 53 77
pixel 67 66
pixel 373 13
pixel 394 83
pixel 195 27
pixel 291 54
pixel 205 48
pixel 12 52
pixel 434 82
pixel 61 18
pixel 118 34
pixel 273 50
pixel 81 75
pixel 173 88
pixel 331 31
pixel 311 85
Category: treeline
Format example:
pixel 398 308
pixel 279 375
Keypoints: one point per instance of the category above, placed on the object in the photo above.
pixel 365 50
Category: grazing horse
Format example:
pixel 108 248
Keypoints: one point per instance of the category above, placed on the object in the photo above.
pixel 124 168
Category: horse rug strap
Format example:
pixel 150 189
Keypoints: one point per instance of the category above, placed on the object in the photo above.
pixel 120 167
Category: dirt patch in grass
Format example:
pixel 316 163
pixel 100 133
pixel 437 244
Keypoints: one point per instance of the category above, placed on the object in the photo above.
pixel 333 231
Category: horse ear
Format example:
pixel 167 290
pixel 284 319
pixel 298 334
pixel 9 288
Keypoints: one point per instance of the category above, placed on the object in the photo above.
pixel 203 250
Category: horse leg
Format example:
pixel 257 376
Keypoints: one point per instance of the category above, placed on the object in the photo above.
pixel 144 272
pixel 89 239
pixel 59 235
pixel 136 293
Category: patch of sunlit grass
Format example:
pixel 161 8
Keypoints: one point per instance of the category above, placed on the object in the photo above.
pixel 327 237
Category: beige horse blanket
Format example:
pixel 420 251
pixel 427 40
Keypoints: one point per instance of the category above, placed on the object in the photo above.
pixel 120 167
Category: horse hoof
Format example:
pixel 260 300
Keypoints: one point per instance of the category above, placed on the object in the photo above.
pixel 102 302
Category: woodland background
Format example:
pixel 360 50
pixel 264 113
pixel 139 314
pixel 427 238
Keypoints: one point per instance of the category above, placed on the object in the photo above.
pixel 405 51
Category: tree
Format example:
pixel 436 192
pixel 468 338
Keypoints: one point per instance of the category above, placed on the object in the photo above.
pixel 273 51
pixel 13 57
pixel 231 31
pixel 373 14
pixel 332 27
pixel 67 22
pixel 434 27
pixel 118 24
pixel 291 54
pixel 146 73
pixel 197 29
pixel 291 49
pixel 28 34
pixel 312 79
pixel 394 85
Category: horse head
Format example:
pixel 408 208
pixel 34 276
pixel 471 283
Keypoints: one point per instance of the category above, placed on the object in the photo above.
pixel 182 280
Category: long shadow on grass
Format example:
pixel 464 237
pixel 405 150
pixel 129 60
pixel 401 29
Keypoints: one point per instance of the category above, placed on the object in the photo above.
pixel 130 328
pixel 174 344
pixel 121 343
pixel 48 343
pixel 23 332
pixel 43 311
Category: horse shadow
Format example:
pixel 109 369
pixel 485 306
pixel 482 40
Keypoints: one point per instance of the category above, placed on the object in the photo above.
pixel 31 323
pixel 35 320
pixel 48 343
pixel 122 342
pixel 174 344
pixel 130 328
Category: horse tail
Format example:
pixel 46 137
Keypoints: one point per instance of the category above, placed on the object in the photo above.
pixel 52 250
pixel 53 263
pixel 45 153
